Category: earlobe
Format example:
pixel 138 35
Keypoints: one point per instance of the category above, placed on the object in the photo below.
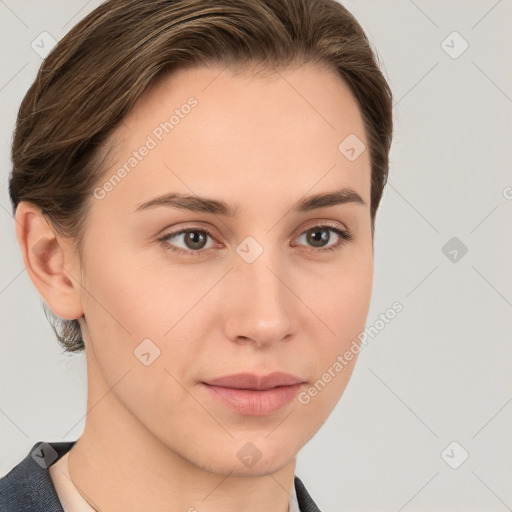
pixel 49 262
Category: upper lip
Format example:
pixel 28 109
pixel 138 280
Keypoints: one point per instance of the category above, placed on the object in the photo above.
pixel 256 382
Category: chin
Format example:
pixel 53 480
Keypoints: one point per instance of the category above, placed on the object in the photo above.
pixel 238 470
pixel 245 458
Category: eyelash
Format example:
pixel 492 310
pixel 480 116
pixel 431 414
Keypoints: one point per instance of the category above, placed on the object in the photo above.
pixel 345 236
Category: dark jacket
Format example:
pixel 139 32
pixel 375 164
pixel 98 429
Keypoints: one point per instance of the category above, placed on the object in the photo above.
pixel 28 487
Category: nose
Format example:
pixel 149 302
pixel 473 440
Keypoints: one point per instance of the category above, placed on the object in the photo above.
pixel 262 307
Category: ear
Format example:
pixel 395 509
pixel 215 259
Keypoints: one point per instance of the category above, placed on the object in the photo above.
pixel 49 261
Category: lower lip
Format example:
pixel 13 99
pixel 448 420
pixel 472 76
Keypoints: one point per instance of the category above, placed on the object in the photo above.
pixel 255 403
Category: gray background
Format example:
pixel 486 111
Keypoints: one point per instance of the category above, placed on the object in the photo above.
pixel 440 371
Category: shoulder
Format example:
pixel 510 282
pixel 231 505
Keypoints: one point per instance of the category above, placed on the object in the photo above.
pixel 305 501
pixel 28 485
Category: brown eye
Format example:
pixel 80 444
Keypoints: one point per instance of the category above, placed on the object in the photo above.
pixel 319 237
pixel 194 240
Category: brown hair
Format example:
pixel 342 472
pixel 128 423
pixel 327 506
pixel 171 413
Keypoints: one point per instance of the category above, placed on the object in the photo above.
pixel 96 73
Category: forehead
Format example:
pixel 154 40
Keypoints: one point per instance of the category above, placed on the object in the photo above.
pixel 210 130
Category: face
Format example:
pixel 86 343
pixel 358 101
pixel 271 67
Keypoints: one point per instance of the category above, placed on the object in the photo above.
pixel 258 280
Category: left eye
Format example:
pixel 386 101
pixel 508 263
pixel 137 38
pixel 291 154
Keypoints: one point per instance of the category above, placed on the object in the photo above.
pixel 195 239
pixel 320 235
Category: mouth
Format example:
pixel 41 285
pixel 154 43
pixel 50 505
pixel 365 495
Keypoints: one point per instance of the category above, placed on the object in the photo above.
pixel 254 395
pixel 255 382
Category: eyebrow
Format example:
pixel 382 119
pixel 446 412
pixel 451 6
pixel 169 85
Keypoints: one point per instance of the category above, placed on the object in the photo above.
pixel 216 207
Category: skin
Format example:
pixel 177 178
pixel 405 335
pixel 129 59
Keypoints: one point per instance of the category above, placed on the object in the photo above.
pixel 154 439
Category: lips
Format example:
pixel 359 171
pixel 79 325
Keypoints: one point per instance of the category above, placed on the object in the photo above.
pixel 255 382
pixel 254 395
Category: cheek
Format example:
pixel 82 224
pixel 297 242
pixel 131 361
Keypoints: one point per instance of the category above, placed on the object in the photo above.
pixel 341 297
pixel 122 291
pixel 342 308
pixel 128 313
pixel 350 301
pixel 131 300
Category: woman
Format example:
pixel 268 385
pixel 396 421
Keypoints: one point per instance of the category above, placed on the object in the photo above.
pixel 195 186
